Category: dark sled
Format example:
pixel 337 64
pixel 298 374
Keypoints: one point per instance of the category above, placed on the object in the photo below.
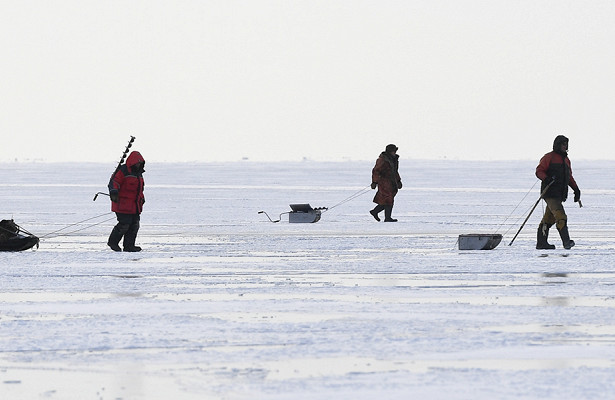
pixel 14 238
pixel 479 241
pixel 301 213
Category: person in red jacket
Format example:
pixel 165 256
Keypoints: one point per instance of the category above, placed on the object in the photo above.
pixel 127 199
pixel 386 177
pixel 554 169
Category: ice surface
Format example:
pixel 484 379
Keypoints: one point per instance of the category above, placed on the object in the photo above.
pixel 223 304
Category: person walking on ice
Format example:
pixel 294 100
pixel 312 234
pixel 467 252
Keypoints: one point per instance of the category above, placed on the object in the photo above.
pixel 554 169
pixel 385 176
pixel 127 199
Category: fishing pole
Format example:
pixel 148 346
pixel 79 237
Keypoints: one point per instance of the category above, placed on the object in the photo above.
pixel 515 209
pixel 119 164
pixel 532 210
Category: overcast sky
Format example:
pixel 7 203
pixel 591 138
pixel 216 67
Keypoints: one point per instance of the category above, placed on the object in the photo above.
pixel 325 80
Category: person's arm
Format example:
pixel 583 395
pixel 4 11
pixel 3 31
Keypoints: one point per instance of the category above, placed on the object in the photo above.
pixel 543 166
pixel 376 171
pixel 573 184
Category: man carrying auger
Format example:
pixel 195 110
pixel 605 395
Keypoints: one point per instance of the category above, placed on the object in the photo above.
pixel 127 199
pixel 556 175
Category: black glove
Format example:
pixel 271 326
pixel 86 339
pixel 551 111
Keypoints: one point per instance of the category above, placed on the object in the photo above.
pixel 577 195
pixel 399 185
pixel 115 197
pixel 374 185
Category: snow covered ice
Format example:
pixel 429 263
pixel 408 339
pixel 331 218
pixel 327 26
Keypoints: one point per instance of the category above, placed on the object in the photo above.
pixel 223 304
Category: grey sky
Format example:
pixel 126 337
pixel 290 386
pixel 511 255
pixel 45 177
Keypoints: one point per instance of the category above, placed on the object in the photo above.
pixel 283 80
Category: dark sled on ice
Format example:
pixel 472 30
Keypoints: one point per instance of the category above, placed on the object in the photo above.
pixel 14 238
pixel 301 213
pixel 479 241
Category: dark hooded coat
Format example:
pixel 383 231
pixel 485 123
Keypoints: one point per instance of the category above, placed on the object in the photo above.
pixel 128 183
pixel 385 174
pixel 556 165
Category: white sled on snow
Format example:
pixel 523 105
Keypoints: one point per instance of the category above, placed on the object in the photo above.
pixel 479 241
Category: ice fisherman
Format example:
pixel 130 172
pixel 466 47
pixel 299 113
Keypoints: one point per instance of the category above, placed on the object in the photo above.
pixel 555 167
pixel 127 199
pixel 385 176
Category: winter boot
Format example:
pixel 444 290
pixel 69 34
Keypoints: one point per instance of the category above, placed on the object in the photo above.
pixel 132 249
pixel 543 235
pixel 387 214
pixel 116 235
pixel 566 241
pixel 376 211
pixel 130 237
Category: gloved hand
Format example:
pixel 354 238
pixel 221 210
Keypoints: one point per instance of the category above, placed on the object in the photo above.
pixel 577 195
pixel 115 197
pixel 374 185
pixel 399 185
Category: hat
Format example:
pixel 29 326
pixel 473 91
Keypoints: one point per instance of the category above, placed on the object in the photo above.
pixel 390 148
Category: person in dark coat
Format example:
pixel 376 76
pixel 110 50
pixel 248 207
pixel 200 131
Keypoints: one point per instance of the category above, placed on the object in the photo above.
pixel 385 176
pixel 554 169
pixel 127 199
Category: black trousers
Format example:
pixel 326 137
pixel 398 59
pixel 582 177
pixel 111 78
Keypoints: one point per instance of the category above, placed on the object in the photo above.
pixel 127 227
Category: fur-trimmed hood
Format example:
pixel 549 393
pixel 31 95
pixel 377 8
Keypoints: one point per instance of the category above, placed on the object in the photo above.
pixel 557 144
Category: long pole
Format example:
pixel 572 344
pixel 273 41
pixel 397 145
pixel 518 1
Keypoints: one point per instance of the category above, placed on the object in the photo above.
pixel 531 211
pixel 132 139
pixel 119 164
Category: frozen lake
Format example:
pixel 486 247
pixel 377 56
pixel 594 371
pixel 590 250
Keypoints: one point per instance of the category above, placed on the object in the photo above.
pixel 224 304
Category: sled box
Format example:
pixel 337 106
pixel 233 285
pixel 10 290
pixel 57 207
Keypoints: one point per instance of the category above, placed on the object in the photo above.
pixel 303 213
pixel 478 241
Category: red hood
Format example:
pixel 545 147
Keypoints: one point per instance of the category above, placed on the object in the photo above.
pixel 133 158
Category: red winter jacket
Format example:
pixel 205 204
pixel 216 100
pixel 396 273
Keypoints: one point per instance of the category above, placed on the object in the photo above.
pixel 128 183
pixel 555 166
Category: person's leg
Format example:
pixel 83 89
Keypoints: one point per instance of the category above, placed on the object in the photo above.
pixel 131 235
pixel 561 222
pixel 376 211
pixel 118 232
pixel 388 210
pixel 543 230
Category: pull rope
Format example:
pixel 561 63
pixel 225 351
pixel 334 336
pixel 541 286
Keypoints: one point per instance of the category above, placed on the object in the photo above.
pixel 351 197
pixel 86 227
pixel 77 223
pixel 515 209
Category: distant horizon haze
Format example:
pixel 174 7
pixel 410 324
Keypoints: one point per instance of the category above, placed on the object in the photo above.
pixel 272 80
